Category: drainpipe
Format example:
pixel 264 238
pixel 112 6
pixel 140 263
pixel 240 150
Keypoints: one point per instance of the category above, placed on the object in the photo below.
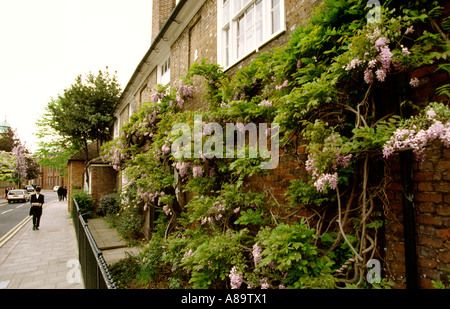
pixel 409 213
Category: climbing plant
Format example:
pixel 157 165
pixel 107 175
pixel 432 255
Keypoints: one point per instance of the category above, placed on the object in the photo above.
pixel 335 88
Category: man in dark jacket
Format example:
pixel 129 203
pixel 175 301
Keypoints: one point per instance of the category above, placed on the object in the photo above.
pixel 60 193
pixel 36 200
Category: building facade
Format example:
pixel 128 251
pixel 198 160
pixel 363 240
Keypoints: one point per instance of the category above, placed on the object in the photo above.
pixel 228 32
pixel 93 176
pixel 231 33
pixel 50 177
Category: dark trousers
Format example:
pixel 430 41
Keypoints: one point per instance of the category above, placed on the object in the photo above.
pixel 36 212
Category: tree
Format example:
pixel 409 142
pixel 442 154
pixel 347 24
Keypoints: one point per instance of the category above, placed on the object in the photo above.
pixel 8 140
pixel 7 163
pixel 20 166
pixel 55 154
pixel 14 159
pixel 32 168
pixel 84 113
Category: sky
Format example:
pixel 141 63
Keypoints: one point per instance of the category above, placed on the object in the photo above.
pixel 46 44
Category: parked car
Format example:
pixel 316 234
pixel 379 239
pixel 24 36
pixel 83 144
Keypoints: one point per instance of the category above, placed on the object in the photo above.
pixel 29 188
pixel 18 195
pixel 55 188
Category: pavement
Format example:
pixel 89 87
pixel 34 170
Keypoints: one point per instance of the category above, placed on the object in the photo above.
pixel 113 247
pixel 48 258
pixel 43 259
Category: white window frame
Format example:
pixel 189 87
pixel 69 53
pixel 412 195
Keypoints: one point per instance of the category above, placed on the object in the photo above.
pixel 163 74
pixel 228 52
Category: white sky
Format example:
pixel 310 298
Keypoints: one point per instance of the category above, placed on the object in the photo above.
pixel 46 44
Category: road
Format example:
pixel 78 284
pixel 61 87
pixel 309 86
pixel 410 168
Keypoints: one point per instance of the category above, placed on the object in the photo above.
pixel 12 214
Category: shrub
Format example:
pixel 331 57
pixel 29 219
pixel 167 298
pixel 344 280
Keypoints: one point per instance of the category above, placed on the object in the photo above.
pixel 128 223
pixel 85 203
pixel 124 272
pixel 290 250
pixel 109 204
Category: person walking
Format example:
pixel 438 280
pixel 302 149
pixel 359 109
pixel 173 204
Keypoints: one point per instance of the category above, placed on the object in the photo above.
pixel 36 201
pixel 60 193
pixel 64 194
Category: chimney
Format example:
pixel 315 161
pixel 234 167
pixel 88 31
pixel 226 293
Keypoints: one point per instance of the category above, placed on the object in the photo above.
pixel 161 11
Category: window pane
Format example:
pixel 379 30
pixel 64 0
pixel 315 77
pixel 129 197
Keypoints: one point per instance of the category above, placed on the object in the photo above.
pixel 276 19
pixel 164 77
pixel 240 37
pixel 258 22
pixel 258 32
pixel 249 17
pixel 226 43
pixel 249 39
pixel 249 29
pixel 258 10
pixel 237 6
pixel 226 12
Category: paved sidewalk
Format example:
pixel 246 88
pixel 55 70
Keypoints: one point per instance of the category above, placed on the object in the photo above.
pixel 108 240
pixel 43 259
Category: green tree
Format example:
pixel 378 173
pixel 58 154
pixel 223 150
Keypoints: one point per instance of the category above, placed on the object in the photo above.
pixel 55 154
pixel 84 113
pixel 7 163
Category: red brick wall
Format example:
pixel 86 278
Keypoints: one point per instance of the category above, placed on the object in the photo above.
pixel 75 179
pixel 290 167
pixel 432 205
pixel 431 200
pixel 49 178
pixel 103 181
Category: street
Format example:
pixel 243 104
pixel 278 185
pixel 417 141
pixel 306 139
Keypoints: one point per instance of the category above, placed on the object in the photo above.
pixel 14 213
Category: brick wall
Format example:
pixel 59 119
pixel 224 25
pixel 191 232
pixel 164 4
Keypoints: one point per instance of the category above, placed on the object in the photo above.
pixel 49 178
pixel 161 10
pixel 277 181
pixel 103 181
pixel 144 95
pixel 75 179
pixel 432 208
pixel 431 200
pixel 198 41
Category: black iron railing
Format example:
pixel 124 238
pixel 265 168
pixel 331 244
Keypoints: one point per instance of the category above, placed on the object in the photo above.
pixel 94 270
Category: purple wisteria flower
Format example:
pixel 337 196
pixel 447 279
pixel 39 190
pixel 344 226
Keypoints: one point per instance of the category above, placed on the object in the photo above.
pixel 235 278
pixel 256 254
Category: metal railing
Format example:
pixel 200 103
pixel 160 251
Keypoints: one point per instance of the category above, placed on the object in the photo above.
pixel 94 269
